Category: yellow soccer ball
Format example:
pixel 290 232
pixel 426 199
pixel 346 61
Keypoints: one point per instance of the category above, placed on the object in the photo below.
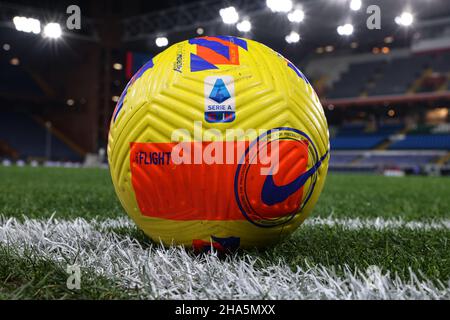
pixel 218 141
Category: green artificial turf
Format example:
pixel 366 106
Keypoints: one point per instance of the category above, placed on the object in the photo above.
pixel 28 276
pixel 88 193
pixel 65 192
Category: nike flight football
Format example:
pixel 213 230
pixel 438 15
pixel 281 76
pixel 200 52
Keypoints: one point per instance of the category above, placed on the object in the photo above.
pixel 218 142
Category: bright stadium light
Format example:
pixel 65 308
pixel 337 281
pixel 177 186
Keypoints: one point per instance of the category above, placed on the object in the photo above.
pixel 117 66
pixel 405 19
pixel 29 25
pixel 296 16
pixel 244 26
pixel 345 30
pixel 355 5
pixel 161 41
pixel 52 30
pixel 279 5
pixel 229 15
pixel 292 37
pixel 14 61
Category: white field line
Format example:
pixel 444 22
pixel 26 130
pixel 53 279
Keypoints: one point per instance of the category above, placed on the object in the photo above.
pixel 174 273
pixel 346 223
pixel 378 223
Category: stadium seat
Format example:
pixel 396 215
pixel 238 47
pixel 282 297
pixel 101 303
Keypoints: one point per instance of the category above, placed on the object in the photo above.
pixel 421 141
pixel 398 76
pixel 351 129
pixel 389 129
pixel 398 160
pixel 28 138
pixel 386 77
pixel 15 80
pixel 441 62
pixel 353 136
pixel 338 159
pixel 352 82
pixel 356 143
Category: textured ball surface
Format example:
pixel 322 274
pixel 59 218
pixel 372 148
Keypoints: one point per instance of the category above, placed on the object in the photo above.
pixel 218 140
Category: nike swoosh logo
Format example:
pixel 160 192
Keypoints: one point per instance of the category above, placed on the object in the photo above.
pixel 272 194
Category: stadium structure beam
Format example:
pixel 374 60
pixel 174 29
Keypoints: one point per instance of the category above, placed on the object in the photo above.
pixel 185 17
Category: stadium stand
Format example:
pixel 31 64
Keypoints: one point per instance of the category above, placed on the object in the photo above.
pixel 356 147
pixel 412 145
pixel 14 80
pixel 392 160
pixel 356 143
pixel 372 160
pixel 421 141
pixel 352 129
pixel 391 76
pixel 342 159
pixel 398 75
pixel 390 128
pixel 352 82
pixel 357 137
pixel 28 139
pixel 441 62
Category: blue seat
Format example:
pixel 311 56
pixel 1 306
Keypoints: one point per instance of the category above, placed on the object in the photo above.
pixel 15 80
pixel 342 158
pixel 398 160
pixel 356 143
pixel 352 82
pixel 420 141
pixel 28 138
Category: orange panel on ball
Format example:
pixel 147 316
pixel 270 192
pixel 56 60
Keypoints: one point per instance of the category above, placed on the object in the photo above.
pixel 162 190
